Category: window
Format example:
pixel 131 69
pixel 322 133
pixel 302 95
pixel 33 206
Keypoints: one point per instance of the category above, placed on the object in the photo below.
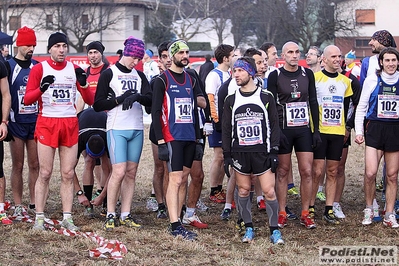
pixel 49 22
pixel 85 22
pixel 361 43
pixel 15 22
pixel 136 25
pixel 365 17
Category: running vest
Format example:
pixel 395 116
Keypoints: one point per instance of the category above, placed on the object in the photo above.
pixel 250 122
pixel 17 79
pixel 293 100
pixel 178 120
pixel 119 119
pixel 383 102
pixel 58 100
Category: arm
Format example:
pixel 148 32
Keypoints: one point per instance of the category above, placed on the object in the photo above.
pixel 355 100
pixel 146 92
pixel 273 120
pixel 363 70
pixel 33 92
pixel 6 105
pixel 211 84
pixel 226 124
pixel 361 109
pixel 156 108
pixel 272 83
pixel 105 97
pixel 314 106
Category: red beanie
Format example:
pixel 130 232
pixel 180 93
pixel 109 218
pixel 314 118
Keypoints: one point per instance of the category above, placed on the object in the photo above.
pixel 26 37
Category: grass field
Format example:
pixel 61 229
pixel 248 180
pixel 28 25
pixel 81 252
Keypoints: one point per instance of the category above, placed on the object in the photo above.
pixel 218 245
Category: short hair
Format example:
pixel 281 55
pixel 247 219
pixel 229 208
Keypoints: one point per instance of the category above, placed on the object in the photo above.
pixel 266 46
pixel 208 57
pixel 387 50
pixel 162 47
pixel 95 146
pixel 252 51
pixel 317 49
pixel 223 50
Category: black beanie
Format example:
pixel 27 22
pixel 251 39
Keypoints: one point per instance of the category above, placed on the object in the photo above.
pixel 56 37
pixel 95 45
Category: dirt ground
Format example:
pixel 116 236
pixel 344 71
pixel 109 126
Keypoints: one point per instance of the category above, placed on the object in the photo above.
pixel 218 245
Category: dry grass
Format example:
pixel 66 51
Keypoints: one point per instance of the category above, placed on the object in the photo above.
pixel 218 245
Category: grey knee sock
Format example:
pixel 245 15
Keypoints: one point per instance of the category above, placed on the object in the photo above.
pixel 245 209
pixel 272 212
pixel 236 200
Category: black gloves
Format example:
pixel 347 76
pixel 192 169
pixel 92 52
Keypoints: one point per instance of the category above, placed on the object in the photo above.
pixel 46 82
pixel 128 102
pixel 283 141
pixel 228 161
pixel 163 152
pixel 316 140
pixel 273 160
pixel 81 76
pixel 199 152
pixel 121 98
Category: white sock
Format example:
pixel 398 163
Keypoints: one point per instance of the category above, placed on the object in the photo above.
pixel 259 198
pixel 66 215
pixel 335 204
pixel 190 212
pixel 2 207
pixel 320 189
pixel 124 215
pixel 227 206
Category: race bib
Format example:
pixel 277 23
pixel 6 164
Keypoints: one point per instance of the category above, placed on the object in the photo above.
pixel 128 82
pixel 297 114
pixel 61 95
pixel 22 108
pixel 183 110
pixel 388 106
pixel 249 132
pixel 332 111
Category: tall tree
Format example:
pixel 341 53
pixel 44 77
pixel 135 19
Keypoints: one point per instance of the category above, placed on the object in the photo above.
pixel 12 11
pixel 155 32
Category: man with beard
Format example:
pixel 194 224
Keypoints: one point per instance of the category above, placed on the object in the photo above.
pixel 176 126
pixel 251 135
pixel 22 121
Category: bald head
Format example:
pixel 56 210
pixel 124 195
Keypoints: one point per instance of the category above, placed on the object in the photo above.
pixel 332 58
pixel 287 46
pixel 290 53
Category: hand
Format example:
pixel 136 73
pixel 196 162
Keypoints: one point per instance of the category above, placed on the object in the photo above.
pixel 359 139
pixel 46 82
pixel 273 160
pixel 163 152
pixel 83 200
pixel 228 161
pixel 208 129
pixel 284 143
pixel 199 152
pixel 81 76
pixel 316 140
pixel 121 98
pixel 129 101
pixel 218 126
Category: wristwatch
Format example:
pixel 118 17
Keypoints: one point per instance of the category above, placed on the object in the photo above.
pixel 80 192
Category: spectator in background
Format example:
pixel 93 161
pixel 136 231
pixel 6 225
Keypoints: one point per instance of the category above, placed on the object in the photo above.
pixel 206 68
pixel 5 52
pixel 150 67
pixel 350 63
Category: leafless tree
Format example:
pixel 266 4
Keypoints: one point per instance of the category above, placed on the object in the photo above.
pixel 12 11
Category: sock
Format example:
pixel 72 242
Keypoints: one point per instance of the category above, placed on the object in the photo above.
pixel 320 189
pixel 283 213
pixel 214 190
pixel 39 215
pixel 88 190
pixel 335 204
pixel 236 200
pixel 152 195
pixel 99 191
pixel 272 212
pixel 245 209
pixel 311 207
pixel 32 206
pixel 387 215
pixel 161 206
pixel 66 215
pixel 327 209
pixel 124 215
pixel 375 204
pixel 105 202
pixel 190 212
pixel 249 225
pixel 227 206
pixel 259 198
pixel 175 225
pixel 113 213
pixel 291 185
pixel 2 207
pixel 304 213
pixel 220 187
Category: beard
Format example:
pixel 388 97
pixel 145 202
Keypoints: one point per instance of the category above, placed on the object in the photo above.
pixel 180 63
pixel 28 56
pixel 243 82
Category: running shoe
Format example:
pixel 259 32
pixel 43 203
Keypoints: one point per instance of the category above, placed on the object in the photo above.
pixel 152 204
pixel 129 222
pixel 276 238
pixel 103 212
pixel 95 195
pixel 282 221
pixel 290 215
pixel 89 212
pixel 308 222
pixel 68 224
pixel 312 213
pixel 391 221
pixel 240 226
pixel 379 186
pixel 4 218
pixel 20 212
pixel 376 214
pixel 109 224
pixel 194 221
pixel 293 191
pixel 201 206
pixel 338 211
pixel 330 217
pixel 184 233
pixel 248 236
pixel 321 196
pixel 217 198
pixel 162 214
pixel 226 213
pixel 262 205
pixel 368 216
pixel 39 224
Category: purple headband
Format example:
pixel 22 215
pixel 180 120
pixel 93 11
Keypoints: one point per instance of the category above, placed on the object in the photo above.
pixel 134 48
pixel 244 65
pixel 385 38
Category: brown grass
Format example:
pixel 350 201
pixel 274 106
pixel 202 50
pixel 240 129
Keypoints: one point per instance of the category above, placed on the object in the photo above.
pixel 218 245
